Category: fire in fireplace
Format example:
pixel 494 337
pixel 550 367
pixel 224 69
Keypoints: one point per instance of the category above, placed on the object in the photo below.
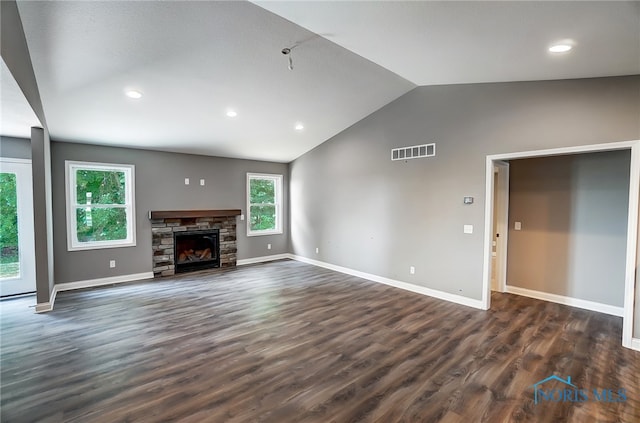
pixel 196 250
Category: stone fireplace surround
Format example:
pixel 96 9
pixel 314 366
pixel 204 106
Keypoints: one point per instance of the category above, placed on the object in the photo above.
pixel 165 223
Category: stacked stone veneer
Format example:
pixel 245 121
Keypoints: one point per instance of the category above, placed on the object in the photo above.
pixel 162 240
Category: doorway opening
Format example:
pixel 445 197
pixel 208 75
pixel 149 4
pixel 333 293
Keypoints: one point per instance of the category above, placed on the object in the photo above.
pixel 493 189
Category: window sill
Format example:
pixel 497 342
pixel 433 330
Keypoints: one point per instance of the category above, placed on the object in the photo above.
pixel 261 233
pixel 99 246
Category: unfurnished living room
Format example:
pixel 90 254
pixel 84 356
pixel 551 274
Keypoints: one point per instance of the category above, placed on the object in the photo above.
pixel 319 211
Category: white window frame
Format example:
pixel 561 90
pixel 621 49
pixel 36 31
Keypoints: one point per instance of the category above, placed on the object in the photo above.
pixel 71 167
pixel 278 199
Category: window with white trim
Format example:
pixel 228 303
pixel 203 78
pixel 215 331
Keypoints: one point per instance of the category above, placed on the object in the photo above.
pixel 100 205
pixel 264 204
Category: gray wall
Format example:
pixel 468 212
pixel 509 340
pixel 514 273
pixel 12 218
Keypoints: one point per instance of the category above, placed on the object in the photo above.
pixel 370 214
pixel 16 148
pixel 573 210
pixel 159 185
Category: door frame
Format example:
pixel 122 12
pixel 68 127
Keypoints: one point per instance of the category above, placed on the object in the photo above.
pixel 501 190
pixel 632 219
pixel 26 230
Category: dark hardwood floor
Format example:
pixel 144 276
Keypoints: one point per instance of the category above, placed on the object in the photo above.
pixel 289 342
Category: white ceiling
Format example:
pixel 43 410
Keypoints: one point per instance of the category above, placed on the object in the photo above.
pixel 193 60
pixel 16 115
pixel 457 42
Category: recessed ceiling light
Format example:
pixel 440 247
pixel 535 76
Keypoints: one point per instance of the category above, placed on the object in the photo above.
pixel 232 113
pixel 560 48
pixel 299 126
pixel 133 94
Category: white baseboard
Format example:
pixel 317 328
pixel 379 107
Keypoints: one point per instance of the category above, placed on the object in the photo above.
pixel 458 299
pixel 635 344
pixel 45 307
pixel 90 283
pixel 560 299
pixel 263 259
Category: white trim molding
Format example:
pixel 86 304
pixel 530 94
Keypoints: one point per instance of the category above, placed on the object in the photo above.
pixel 44 307
pixel 90 283
pixel 48 306
pixel 632 246
pixel 263 259
pixel 73 204
pixel 14 160
pixel 635 344
pixel 570 301
pixel 454 298
pixel 278 198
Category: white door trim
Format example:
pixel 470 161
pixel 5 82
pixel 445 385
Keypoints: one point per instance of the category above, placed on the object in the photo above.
pixel 632 225
pixel 26 282
pixel 502 223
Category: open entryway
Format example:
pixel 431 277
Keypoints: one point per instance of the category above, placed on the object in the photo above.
pixel 497 222
pixel 17 250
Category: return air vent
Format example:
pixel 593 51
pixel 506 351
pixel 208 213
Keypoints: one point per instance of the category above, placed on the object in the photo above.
pixel 413 152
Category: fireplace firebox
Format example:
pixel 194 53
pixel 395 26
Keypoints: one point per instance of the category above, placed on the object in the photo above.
pixel 195 250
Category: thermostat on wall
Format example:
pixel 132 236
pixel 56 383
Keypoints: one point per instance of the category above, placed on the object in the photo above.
pixel 468 200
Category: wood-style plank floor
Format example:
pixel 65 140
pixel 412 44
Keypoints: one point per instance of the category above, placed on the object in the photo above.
pixel 289 342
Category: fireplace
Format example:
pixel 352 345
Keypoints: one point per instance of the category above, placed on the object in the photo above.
pixel 195 250
pixel 166 224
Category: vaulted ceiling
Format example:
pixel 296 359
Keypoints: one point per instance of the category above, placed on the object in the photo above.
pixel 195 61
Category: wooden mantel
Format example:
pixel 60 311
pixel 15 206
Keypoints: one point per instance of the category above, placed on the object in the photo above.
pixel 177 214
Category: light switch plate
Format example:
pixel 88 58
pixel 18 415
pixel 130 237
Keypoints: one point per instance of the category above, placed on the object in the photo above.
pixel 517 226
pixel 186 181
pixel 468 229
pixel 201 182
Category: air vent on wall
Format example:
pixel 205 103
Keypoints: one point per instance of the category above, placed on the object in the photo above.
pixel 413 152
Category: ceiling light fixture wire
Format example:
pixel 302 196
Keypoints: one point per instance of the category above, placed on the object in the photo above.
pixel 287 52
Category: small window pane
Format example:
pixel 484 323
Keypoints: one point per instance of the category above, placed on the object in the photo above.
pixel 100 187
pixel 101 224
pixel 262 191
pixel 415 151
pixel 395 154
pixel 263 218
pixel 423 150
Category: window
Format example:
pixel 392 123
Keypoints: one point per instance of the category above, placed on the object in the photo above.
pixel 100 209
pixel 264 203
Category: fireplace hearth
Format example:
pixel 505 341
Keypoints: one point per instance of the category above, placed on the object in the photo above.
pixel 195 250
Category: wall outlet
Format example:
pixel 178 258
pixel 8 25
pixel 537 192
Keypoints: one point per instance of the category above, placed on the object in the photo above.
pixel 268 246
pixel 242 217
pixel 201 182
pixel 317 250
pixel 112 263
pixel 412 270
pixel 186 181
